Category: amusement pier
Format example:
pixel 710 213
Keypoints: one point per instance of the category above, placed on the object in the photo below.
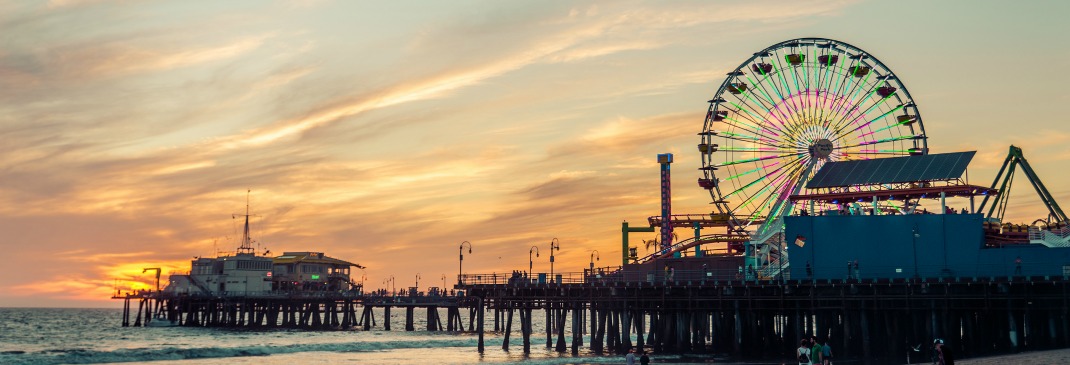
pixel 829 218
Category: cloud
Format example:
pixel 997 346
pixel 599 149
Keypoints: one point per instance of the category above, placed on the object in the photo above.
pixel 562 45
pixel 509 129
pixel 624 136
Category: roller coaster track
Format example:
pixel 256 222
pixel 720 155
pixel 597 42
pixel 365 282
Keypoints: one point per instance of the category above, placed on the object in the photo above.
pixel 692 242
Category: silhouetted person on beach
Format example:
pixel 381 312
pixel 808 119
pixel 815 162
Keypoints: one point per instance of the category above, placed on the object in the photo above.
pixel 943 353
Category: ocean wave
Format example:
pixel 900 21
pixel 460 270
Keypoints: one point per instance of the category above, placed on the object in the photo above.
pixel 86 356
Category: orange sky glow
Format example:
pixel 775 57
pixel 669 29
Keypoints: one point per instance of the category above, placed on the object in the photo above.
pixel 387 133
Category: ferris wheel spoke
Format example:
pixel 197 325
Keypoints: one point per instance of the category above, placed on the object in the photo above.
pixel 890 126
pixel 841 105
pixel 754 119
pixel 829 89
pixel 749 126
pixel 790 101
pixel 874 151
pixel 747 110
pixel 778 114
pixel 752 140
pixel 787 181
pixel 802 89
pixel 778 182
pixel 852 104
pixel 863 125
pixel 845 122
pixel 805 110
pixel 751 171
pixel 747 93
pixel 755 159
pixel 892 139
pixel 844 103
pixel 750 108
pixel 748 138
pixel 763 177
pixel 758 149
pixel 782 201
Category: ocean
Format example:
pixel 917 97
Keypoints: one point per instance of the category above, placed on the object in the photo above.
pixel 94 336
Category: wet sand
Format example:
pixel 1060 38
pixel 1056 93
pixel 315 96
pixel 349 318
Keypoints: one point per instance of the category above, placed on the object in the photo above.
pixel 1026 358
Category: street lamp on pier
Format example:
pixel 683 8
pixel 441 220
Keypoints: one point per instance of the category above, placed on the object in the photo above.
pixel 443 284
pixel 460 262
pixel 594 256
pixel 914 240
pixel 530 262
pixel 554 245
pixel 417 282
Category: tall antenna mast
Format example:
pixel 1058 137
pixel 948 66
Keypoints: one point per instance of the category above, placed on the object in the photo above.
pixel 246 241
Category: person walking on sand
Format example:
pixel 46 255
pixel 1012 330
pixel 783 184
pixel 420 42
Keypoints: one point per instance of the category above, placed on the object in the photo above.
pixel 803 352
pixel 644 360
pixel 630 357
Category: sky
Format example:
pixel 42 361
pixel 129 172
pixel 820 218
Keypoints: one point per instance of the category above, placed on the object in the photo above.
pixel 387 132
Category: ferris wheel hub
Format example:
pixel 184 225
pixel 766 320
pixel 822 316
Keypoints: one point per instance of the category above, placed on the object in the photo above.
pixel 821 149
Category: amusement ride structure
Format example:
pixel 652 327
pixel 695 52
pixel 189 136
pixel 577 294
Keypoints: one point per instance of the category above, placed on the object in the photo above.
pixel 776 120
pixel 784 114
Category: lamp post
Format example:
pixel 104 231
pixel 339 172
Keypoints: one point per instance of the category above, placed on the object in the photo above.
pixel 914 243
pixel 530 262
pixel 460 262
pixel 417 282
pixel 554 245
pixel 594 256
pixel 443 284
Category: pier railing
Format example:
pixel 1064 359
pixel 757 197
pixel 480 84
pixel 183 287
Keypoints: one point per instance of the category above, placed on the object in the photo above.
pixel 350 294
pixel 847 271
pixel 603 275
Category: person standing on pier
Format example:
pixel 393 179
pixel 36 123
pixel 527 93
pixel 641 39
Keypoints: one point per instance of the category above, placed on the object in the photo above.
pixel 815 350
pixel 826 353
pixel 803 352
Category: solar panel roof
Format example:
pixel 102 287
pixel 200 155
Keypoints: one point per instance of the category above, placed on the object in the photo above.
pixel 943 166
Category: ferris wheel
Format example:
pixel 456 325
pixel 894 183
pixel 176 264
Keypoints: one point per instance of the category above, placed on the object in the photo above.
pixel 788 109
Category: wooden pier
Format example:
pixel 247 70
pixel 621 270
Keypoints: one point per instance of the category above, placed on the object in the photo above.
pixel 298 310
pixel 875 321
